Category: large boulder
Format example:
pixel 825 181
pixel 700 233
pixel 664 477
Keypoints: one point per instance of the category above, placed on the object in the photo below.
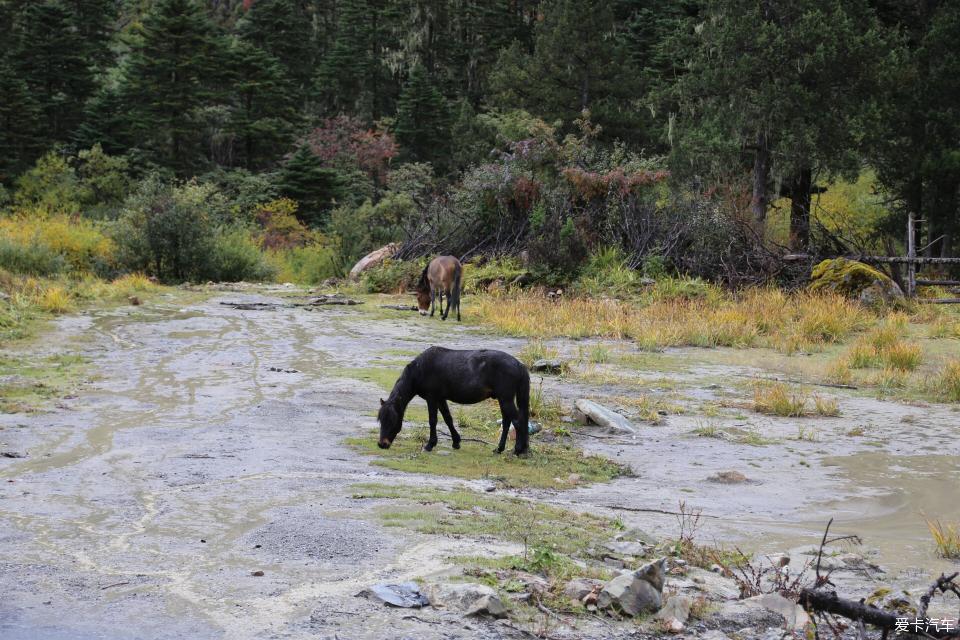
pixel 372 259
pixel 855 280
pixel 587 411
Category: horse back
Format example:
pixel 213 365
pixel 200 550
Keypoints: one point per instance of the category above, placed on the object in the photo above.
pixel 444 272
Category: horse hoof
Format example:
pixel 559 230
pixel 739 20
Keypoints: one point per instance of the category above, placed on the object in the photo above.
pixel 521 454
pixel 498 451
pixel 429 447
pixel 456 444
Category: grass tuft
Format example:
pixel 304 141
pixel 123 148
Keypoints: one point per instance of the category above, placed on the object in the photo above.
pixel 775 399
pixel 946 537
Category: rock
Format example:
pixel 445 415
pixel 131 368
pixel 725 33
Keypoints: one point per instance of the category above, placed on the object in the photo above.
pixel 714 585
pixel 372 259
pixel 795 618
pixel 675 608
pixel 134 300
pixel 406 595
pixel 627 548
pixel 734 615
pixel 531 582
pixel 12 454
pixel 672 625
pixel 629 595
pixel 653 572
pixel 603 416
pixel 578 588
pixel 854 280
pixel 257 574
pixel 548 366
pixel 637 592
pixel 729 477
pixel 469 598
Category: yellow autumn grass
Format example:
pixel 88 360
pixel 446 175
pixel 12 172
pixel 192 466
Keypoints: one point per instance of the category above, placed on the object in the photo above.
pixel 754 317
pixel 946 537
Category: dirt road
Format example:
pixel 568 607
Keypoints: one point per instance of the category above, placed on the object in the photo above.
pixel 207 447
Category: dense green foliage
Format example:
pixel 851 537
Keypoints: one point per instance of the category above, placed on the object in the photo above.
pixel 667 132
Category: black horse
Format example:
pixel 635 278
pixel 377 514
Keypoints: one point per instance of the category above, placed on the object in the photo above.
pixel 465 377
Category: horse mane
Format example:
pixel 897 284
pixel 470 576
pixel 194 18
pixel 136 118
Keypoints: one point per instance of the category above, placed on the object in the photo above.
pixel 403 388
pixel 422 282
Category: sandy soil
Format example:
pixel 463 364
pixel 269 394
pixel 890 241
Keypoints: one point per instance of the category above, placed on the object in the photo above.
pixel 145 503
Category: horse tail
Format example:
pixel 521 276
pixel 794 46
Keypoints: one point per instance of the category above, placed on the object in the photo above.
pixel 457 287
pixel 523 398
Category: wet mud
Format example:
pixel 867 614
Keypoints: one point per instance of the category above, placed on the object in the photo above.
pixel 206 447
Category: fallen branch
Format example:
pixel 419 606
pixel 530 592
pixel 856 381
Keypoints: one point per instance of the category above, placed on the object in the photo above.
pixel 831 385
pixel 641 510
pixel 822 601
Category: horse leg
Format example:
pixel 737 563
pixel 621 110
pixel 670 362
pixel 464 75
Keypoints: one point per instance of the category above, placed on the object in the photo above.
pixel 432 442
pixel 508 413
pixel 443 314
pixel 445 412
pixel 433 300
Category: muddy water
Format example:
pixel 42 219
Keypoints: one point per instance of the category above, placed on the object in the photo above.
pixel 186 464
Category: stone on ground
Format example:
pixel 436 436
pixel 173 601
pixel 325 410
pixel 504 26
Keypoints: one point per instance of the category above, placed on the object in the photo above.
pixel 470 599
pixel 634 593
pixel 603 416
pixel 854 280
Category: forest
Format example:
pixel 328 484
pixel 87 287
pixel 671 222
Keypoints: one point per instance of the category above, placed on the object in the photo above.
pixel 283 139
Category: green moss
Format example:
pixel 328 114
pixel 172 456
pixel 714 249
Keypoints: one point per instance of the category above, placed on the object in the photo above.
pixel 846 277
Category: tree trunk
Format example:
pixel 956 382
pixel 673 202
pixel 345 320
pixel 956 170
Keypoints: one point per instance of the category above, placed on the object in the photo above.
pixel 761 172
pixel 800 188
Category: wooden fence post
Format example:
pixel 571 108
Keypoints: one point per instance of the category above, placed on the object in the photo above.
pixel 911 255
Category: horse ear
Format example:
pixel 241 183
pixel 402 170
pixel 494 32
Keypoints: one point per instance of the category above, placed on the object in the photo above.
pixel 382 402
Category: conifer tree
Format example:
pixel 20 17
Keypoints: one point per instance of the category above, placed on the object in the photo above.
pixel 316 188
pixel 264 115
pixel 282 29
pixel 423 121
pixel 176 68
pixel 20 119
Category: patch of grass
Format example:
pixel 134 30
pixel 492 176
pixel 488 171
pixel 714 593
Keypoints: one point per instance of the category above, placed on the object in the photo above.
pixel 649 408
pixel 754 438
pixel 535 350
pixel 905 356
pixel 946 537
pixel 383 377
pixel 889 379
pixel 55 300
pixel 775 399
pixel 28 384
pixel 946 384
pixel 806 434
pixel 461 512
pixel 839 372
pixel 553 466
pixel 709 430
pixel 826 406
pixel 597 354
pixel 666 316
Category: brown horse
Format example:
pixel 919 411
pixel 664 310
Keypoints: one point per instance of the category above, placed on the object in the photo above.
pixel 441 277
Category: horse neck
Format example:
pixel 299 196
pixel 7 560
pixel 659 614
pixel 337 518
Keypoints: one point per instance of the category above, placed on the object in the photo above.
pixel 402 392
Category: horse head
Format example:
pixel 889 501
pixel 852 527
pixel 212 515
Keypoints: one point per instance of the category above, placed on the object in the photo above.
pixel 390 423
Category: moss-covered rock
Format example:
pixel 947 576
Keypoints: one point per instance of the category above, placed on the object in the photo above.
pixel 854 280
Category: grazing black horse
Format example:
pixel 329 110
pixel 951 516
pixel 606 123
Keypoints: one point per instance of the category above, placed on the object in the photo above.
pixel 464 377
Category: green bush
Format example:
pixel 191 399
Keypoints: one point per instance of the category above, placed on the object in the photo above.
pixel 170 231
pixel 309 265
pixel 235 257
pixel 392 276
pixel 370 226
pixel 32 259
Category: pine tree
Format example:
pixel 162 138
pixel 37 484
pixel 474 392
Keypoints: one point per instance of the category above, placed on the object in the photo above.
pixel 50 55
pixel 263 116
pixel 788 82
pixel 304 178
pixel 579 62
pixel 175 69
pixel 423 121
pixel 20 119
pixel 282 29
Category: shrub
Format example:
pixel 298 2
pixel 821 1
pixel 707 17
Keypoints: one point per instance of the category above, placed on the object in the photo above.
pixel 55 299
pixel 392 276
pixel 236 257
pixel 281 229
pixel 370 226
pixel 80 243
pixel 170 230
pixel 308 265
pixel 33 259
